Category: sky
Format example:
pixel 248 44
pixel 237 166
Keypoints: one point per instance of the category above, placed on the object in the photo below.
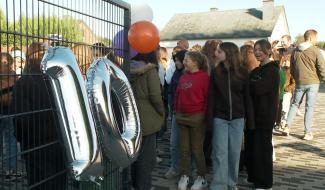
pixel 301 15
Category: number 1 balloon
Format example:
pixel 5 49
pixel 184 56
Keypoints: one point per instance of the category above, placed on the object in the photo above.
pixel 76 122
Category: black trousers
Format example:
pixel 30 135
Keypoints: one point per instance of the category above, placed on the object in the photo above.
pixel 142 168
pixel 279 114
pixel 262 163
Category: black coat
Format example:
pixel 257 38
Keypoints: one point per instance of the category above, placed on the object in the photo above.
pixel 229 96
pixel 264 89
pixel 36 123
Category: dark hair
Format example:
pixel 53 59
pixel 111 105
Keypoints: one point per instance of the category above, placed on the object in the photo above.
pixel 200 58
pixel 175 50
pixel 180 55
pixel 36 47
pixel 5 59
pixel 232 57
pixel 265 46
pixel 101 48
pixel 147 58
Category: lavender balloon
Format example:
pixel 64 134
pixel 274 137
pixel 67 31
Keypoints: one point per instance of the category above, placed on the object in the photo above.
pixel 118 45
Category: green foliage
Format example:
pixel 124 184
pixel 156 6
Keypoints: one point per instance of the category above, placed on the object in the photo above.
pixel 299 39
pixel 321 44
pixel 25 30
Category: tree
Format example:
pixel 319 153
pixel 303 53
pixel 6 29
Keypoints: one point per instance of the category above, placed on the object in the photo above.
pixel 39 27
pixel 299 39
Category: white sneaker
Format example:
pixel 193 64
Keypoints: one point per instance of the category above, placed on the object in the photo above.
pixel 286 130
pixel 171 173
pixel 199 183
pixel 183 182
pixel 308 136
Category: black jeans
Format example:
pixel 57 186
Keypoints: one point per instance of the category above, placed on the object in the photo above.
pixel 142 168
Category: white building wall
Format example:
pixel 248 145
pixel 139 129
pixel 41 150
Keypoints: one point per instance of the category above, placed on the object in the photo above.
pixel 281 28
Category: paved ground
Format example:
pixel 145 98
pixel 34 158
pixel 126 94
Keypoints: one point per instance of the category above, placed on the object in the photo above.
pixel 300 164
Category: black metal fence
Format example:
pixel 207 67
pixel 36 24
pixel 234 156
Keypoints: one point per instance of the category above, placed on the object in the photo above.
pixel 31 155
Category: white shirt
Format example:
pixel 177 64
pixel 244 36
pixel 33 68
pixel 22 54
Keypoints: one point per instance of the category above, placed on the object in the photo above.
pixel 170 71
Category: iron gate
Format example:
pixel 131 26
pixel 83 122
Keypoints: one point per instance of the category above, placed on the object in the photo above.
pixel 31 154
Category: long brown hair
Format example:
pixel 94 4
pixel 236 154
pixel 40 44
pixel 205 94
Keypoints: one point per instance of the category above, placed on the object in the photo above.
pixel 200 58
pixel 232 57
pixel 83 55
pixel 209 49
pixel 248 58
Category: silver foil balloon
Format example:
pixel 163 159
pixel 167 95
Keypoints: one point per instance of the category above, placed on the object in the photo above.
pixel 114 110
pixel 76 122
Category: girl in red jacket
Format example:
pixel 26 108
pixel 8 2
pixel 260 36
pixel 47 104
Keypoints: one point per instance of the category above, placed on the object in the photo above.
pixel 190 106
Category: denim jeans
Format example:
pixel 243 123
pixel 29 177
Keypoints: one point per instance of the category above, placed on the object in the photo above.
pixel 174 145
pixel 226 146
pixel 8 144
pixel 311 93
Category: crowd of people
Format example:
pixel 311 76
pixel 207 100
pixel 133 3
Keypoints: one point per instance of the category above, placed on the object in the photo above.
pixel 224 103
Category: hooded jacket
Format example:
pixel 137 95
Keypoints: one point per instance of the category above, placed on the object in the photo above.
pixel 307 65
pixel 145 83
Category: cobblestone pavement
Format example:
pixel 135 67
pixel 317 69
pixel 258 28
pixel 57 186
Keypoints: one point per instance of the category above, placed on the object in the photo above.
pixel 300 165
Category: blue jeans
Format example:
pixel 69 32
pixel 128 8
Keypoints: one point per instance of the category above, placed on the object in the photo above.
pixel 8 144
pixel 226 146
pixel 174 145
pixel 311 93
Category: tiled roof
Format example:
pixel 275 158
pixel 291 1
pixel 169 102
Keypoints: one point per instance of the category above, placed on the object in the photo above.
pixel 243 23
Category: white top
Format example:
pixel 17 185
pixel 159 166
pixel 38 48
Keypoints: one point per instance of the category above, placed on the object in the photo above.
pixel 161 73
pixel 170 71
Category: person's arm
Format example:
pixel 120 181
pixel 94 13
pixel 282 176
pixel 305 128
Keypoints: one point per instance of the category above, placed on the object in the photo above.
pixel 267 82
pixel 211 98
pixel 320 64
pixel 249 108
pixel 155 91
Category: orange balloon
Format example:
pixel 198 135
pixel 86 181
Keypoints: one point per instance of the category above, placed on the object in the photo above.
pixel 143 36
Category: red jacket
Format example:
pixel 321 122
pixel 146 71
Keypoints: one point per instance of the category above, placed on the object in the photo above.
pixel 192 93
